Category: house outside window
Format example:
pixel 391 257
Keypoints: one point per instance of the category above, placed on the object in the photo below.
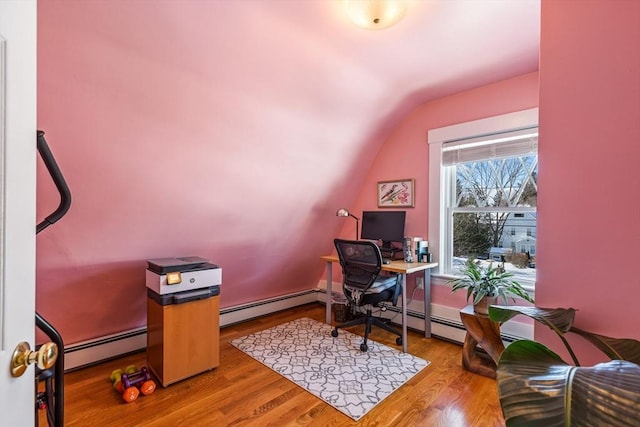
pixel 486 195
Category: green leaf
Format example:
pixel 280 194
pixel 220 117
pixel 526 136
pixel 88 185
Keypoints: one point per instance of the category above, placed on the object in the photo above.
pixel 607 394
pixel 531 405
pixel 558 319
pixel 489 281
pixel 537 388
pixel 614 348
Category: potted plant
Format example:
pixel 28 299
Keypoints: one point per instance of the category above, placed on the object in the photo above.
pixel 487 284
pixel 537 388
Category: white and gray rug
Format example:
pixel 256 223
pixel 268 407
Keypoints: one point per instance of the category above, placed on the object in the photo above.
pixel 333 369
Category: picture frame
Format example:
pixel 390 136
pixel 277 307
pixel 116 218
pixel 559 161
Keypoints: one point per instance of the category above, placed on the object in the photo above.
pixel 396 194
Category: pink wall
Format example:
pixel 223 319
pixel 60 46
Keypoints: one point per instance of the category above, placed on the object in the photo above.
pixel 405 153
pixel 180 136
pixel 589 204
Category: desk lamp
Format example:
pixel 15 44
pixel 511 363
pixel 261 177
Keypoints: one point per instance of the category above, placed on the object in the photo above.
pixel 345 212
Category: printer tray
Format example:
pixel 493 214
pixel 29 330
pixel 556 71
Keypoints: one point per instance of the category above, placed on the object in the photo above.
pixel 184 296
pixel 176 265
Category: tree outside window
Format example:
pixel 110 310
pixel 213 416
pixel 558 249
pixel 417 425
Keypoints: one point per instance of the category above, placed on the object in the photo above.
pixel 492 209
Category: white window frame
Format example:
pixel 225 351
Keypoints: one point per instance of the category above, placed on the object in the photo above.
pixel 437 203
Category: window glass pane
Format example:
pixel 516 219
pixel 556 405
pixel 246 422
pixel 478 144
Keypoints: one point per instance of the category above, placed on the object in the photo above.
pixel 497 183
pixel 488 222
pixel 484 236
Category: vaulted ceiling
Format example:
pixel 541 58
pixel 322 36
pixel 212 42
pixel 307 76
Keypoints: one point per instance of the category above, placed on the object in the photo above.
pixel 197 127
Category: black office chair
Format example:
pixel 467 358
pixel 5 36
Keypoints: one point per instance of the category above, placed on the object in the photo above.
pixel 363 285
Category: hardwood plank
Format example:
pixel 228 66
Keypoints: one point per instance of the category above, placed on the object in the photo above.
pixel 243 392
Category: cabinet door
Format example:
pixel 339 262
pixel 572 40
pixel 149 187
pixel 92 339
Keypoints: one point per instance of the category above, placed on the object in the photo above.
pixel 183 339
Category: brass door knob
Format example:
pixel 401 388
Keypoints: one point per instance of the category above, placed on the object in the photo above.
pixel 22 357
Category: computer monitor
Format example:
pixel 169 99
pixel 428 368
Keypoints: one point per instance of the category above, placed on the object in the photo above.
pixel 387 226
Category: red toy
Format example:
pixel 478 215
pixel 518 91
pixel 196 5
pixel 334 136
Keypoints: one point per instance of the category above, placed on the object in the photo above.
pixel 132 382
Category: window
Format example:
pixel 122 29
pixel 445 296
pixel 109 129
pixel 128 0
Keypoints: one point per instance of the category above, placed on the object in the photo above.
pixel 483 193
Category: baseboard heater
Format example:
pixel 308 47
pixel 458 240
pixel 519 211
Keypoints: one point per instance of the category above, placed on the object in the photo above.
pixel 91 352
pixel 445 325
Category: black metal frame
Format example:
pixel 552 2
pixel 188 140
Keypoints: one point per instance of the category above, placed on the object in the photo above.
pixel 54 377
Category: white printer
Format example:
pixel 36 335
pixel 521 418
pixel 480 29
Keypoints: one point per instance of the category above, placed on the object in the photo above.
pixel 173 275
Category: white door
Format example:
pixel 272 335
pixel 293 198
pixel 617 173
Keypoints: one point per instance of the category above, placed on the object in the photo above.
pixel 17 203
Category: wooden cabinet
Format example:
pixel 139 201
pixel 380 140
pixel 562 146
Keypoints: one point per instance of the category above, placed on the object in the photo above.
pixel 183 339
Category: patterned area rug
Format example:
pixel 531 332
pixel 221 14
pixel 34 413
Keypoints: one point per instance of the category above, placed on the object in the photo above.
pixel 333 369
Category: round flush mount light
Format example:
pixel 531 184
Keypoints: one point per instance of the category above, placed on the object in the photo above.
pixel 375 14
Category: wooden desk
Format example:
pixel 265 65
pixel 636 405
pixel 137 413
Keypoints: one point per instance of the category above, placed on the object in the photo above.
pixel 402 268
pixel 484 332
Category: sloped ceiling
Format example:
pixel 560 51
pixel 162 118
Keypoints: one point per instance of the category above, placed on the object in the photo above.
pixel 232 130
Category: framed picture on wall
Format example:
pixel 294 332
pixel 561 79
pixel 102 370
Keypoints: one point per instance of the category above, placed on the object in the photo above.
pixel 396 194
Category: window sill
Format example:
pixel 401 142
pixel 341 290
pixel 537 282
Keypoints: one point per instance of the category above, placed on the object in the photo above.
pixel 443 279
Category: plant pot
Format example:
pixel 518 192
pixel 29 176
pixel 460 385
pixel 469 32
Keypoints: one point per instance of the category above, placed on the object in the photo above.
pixel 482 307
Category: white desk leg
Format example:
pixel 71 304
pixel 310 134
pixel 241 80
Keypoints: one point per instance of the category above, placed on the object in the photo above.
pixel 328 301
pixel 404 313
pixel 427 303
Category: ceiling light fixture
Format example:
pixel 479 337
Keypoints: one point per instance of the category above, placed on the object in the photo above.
pixel 375 14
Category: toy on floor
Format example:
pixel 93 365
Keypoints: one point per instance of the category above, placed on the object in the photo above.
pixel 132 382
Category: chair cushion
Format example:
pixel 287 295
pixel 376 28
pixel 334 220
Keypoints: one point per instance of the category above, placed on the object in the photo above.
pixel 380 285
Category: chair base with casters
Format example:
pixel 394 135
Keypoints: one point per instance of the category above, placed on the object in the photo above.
pixel 368 320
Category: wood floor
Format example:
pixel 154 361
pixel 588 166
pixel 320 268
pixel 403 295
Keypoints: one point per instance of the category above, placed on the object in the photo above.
pixel 243 392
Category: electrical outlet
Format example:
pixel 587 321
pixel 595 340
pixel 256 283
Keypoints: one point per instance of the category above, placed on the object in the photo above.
pixel 420 282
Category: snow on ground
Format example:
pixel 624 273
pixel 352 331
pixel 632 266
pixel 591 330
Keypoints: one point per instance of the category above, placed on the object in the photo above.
pixel 519 273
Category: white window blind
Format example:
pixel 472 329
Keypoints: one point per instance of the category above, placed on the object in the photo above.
pixel 494 146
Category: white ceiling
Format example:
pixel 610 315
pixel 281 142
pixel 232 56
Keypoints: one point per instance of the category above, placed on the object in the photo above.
pixel 306 58
pixel 439 48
